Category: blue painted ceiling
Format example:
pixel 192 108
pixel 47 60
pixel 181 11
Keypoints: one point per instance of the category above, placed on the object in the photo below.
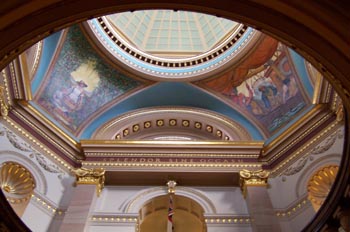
pixel 268 93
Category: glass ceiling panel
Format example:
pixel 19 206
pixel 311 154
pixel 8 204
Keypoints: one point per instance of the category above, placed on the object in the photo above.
pixel 172 32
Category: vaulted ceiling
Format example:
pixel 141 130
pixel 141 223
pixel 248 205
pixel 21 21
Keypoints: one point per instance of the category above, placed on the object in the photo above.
pixel 84 78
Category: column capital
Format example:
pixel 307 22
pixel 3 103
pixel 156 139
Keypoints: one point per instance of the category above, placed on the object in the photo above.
pixel 95 176
pixel 252 178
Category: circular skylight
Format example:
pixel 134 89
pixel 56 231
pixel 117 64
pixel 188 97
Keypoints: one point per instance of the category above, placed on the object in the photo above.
pixel 172 45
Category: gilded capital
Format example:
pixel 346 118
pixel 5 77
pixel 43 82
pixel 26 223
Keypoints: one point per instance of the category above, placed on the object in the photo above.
pixel 252 178
pixel 95 176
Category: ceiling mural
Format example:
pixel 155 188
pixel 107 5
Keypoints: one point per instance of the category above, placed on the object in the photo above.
pixel 263 90
pixel 79 82
pixel 265 86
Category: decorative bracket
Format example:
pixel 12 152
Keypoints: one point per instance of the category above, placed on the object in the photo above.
pixel 171 186
pixel 94 176
pixel 252 178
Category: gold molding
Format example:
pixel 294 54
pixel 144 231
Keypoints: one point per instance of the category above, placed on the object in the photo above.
pixel 58 130
pixel 327 131
pixel 25 74
pixel 252 178
pixel 292 210
pixel 43 133
pixel 152 165
pixel 170 143
pixel 209 220
pixel 285 134
pixel 95 176
pixel 222 122
pixel 38 144
pixel 4 108
pixel 46 205
pixel 154 155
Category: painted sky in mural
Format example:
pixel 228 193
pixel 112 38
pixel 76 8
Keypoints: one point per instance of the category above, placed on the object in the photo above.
pixel 271 93
pixel 80 82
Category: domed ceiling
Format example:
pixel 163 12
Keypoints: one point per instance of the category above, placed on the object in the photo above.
pixel 89 76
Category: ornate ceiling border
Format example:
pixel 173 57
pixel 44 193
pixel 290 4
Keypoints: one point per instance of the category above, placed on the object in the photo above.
pixel 162 120
pixel 155 68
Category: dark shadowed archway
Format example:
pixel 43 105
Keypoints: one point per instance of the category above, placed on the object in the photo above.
pixel 319 30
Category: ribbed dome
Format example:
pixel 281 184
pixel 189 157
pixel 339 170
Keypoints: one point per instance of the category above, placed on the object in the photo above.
pixel 320 184
pixel 16 182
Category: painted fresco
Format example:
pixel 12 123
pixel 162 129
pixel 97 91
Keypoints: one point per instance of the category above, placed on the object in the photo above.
pixel 271 93
pixel 80 82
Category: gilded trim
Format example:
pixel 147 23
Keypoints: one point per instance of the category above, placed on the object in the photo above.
pixel 58 130
pixel 278 169
pixel 252 144
pixel 4 108
pixel 315 110
pixel 167 165
pixel 95 176
pixel 25 74
pixel 46 205
pixel 252 178
pixel 294 209
pixel 39 144
pixel 184 114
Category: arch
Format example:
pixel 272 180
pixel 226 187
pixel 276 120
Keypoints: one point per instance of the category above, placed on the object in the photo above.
pixel 188 214
pixel 228 128
pixel 137 201
pixel 316 28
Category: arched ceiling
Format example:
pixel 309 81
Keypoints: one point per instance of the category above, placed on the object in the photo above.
pixel 80 87
pixel 307 29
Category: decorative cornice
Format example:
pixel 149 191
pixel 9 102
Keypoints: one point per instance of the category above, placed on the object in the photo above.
pixel 94 176
pixel 252 178
pixel 37 143
pixel 27 122
pixel 193 68
pixel 312 121
pixel 332 130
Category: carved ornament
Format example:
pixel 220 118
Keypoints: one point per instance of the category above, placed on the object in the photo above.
pixel 171 186
pixel 95 176
pixel 252 178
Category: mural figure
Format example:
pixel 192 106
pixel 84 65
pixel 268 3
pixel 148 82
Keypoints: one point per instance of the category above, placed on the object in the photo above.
pixel 270 93
pixel 79 83
pixel 70 99
pixel 240 98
